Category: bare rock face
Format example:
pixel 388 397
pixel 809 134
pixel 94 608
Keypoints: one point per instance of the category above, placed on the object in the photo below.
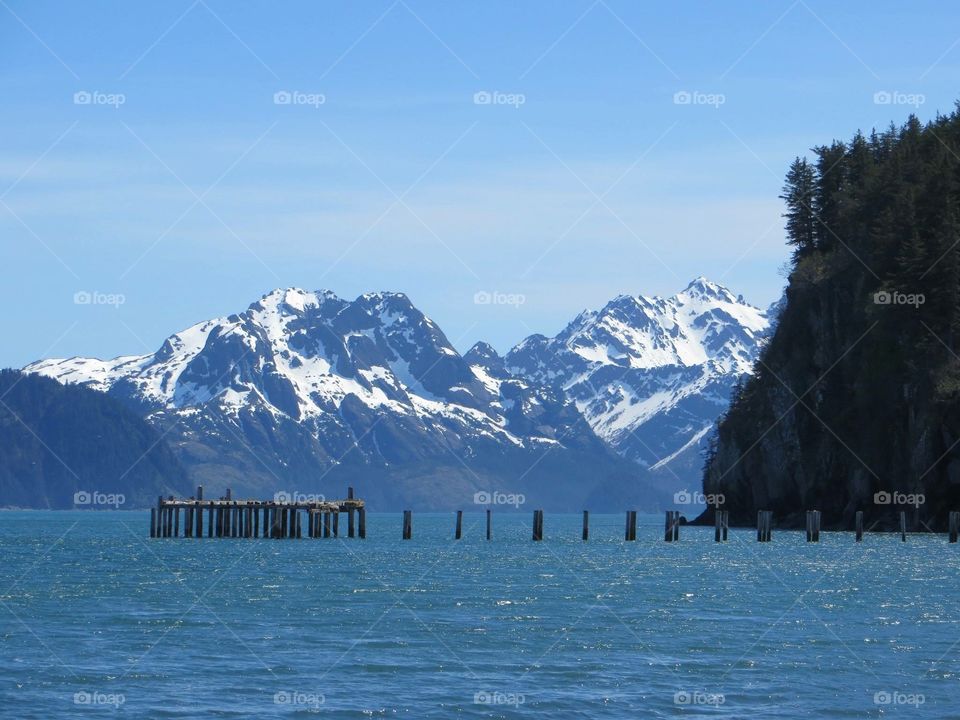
pixel 840 416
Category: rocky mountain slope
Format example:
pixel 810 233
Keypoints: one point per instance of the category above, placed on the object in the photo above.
pixel 307 392
pixel 651 375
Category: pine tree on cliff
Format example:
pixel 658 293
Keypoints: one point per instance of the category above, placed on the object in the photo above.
pixel 798 194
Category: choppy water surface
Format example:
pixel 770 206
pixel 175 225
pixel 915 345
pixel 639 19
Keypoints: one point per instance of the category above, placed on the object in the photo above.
pixel 97 619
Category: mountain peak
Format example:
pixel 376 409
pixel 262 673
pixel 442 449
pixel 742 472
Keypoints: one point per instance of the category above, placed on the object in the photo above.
pixel 703 288
pixel 293 298
pixel 484 355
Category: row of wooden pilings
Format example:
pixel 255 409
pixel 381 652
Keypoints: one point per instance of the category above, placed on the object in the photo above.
pixel 813 517
pixel 672 522
pixel 229 518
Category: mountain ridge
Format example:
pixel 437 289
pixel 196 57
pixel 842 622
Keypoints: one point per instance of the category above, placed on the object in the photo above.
pixel 305 384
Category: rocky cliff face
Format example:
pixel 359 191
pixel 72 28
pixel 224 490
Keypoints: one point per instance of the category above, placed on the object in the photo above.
pixel 855 404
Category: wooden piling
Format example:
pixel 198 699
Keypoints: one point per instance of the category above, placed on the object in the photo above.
pixel 458 533
pixel 326 524
pixel 671 526
pixel 350 528
pixel 764 524
pixel 858 522
pixel 903 526
pixel 210 513
pixel 537 525
pixel 585 534
pixel 336 523
pixel 199 513
pixel 954 529
pixel 407 524
pixel 630 532
pixel 362 522
pixel 717 525
pixel 489 524
pixel 816 525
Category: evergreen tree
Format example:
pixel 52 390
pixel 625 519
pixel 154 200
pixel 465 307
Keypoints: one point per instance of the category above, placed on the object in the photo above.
pixel 798 194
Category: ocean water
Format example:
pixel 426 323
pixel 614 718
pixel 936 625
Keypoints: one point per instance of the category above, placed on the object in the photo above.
pixel 96 619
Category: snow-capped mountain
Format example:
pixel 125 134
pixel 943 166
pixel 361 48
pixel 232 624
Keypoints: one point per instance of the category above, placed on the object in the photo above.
pixel 651 375
pixel 308 392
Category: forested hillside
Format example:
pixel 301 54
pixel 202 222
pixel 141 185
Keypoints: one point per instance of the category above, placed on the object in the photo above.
pixel 858 391
pixel 67 446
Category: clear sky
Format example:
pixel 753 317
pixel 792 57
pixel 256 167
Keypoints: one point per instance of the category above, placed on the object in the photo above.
pixel 145 153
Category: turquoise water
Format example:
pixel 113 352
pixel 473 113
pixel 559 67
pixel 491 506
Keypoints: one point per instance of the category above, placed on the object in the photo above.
pixel 96 619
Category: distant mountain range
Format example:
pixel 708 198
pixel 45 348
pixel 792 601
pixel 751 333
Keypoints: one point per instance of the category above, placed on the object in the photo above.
pixel 308 392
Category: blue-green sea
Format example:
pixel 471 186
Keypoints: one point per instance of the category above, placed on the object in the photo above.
pixel 98 620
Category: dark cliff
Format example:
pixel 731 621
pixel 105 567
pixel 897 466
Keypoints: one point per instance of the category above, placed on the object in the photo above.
pixel 855 404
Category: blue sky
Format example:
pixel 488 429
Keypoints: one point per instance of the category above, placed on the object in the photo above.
pixel 185 188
